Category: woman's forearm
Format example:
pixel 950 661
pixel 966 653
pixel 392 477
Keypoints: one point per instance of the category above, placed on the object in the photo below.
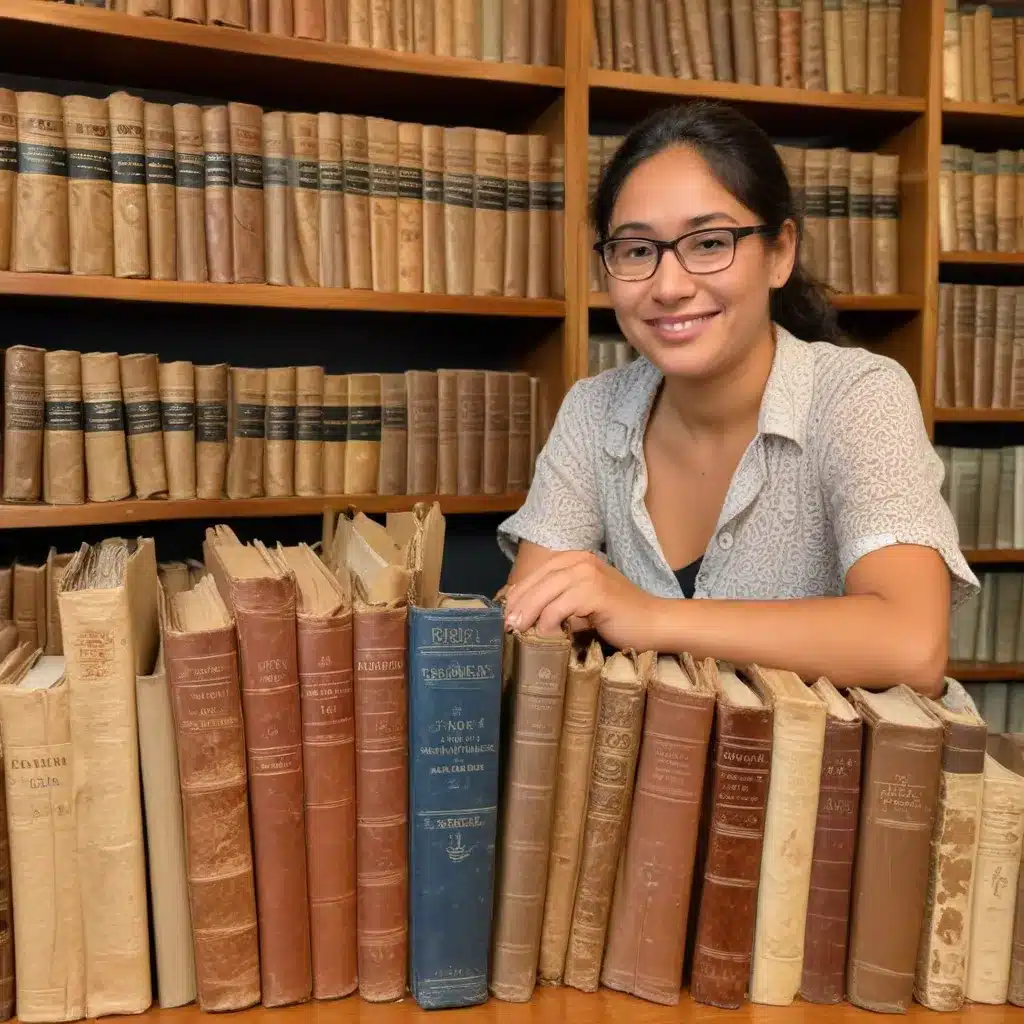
pixel 856 640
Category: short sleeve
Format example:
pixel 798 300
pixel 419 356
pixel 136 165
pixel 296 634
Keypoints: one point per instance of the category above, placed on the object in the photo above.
pixel 882 478
pixel 562 510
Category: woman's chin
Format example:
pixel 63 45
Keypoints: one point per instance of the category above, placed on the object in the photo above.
pixel 692 359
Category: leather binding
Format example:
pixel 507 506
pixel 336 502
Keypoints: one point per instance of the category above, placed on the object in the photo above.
pixel 382 797
pixel 945 933
pixel 798 739
pixel 262 599
pixel 421 386
pixel 899 786
pixel 534 729
pixel 470 430
pixel 620 713
pixel 647 930
pixel 202 673
pixel 742 747
pixel 835 837
pixel 454 714
pixel 496 431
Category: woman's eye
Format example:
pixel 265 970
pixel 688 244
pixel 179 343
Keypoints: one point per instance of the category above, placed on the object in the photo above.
pixel 709 244
pixel 638 251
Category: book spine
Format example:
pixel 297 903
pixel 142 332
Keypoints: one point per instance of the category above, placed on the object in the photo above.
pixel 8 171
pixel 455 677
pixel 140 390
pixel 538 245
pixel 248 244
pixel 310 20
pixel 275 198
pixel 63 446
pixel 24 405
pixel 363 439
pixel 410 207
pixel 106 454
pixel 309 430
pixel 421 390
pixel 189 184
pixel 247 430
pixel 158 124
pixel 471 414
pixel 178 426
pixel 382 155
pixel 332 201
pixel 434 270
pixel 355 157
pixel 211 429
pixel 335 431
pixel 447 431
pixel 394 435
pixel 489 188
pixel 279 442
pixel 303 207
pixel 496 431
pixel 90 191
pixel 128 174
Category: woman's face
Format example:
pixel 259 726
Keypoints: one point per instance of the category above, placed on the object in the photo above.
pixel 693 325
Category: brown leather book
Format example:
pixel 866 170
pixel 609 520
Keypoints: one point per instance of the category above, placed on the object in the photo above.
pixel 735 836
pixel 324 628
pixel 201 655
pixel 900 782
pixel 835 837
pixel 647 930
pixel 262 597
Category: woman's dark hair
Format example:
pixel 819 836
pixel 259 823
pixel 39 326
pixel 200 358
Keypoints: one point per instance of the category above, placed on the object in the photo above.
pixel 745 162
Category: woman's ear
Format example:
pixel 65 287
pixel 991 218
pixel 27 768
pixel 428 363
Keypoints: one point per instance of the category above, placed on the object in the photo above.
pixel 782 254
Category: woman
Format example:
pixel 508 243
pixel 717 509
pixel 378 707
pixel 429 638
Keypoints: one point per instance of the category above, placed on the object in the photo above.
pixel 744 456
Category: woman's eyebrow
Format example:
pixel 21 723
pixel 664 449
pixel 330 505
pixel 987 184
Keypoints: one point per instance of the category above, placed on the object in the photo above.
pixel 633 226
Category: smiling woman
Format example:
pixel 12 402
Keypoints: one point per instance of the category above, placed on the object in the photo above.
pixel 745 458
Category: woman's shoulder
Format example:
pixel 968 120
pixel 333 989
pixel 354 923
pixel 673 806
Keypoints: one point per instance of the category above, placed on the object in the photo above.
pixel 594 397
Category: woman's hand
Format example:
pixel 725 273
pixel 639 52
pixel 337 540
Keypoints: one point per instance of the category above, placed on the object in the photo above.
pixel 579 587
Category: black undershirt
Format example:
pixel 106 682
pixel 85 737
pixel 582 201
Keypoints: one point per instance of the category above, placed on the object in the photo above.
pixel 687 577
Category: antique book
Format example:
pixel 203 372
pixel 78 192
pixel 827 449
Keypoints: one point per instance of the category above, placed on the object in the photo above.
pixel 106 453
pixel 332 198
pixel 309 430
pixel 178 424
pixel 518 476
pixel 538 220
pixel 798 740
pixel 279 440
pixel 190 218
pixel 158 126
pixel 382 156
pixel 211 429
pixel 260 594
pixel 410 207
pixel 620 714
pixel 324 638
pixel 575 753
pixel 471 414
pixel 489 187
pixel 455 653
pixel 355 158
pixel 945 933
pixel 29 603
pixel 248 243
pixel 275 198
pixel 421 458
pixel 303 207
pixel 647 928
pixel 494 472
pixel 8 171
pixel 247 431
pixel 517 215
pixel 363 438
pixel 335 432
pixel 128 174
pixel 885 190
pixel 447 431
pixel 98 608
pixel 42 821
pixel 140 390
pixel 900 782
pixel 534 728
pixel 24 406
pixel 90 190
pixel 56 566
pixel 734 825
pixel 458 209
pixel 201 653
pixel 434 245
pixel 835 837
pixel 394 435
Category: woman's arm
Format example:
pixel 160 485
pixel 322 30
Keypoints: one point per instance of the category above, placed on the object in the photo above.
pixel 889 627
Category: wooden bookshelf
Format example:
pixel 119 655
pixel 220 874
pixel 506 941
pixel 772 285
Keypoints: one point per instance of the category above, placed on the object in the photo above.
pixel 993 117
pixel 948 415
pixel 994 556
pixel 982 259
pixel 983 672
pixel 843 303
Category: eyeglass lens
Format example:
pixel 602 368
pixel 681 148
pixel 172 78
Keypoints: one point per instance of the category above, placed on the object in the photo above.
pixel 704 252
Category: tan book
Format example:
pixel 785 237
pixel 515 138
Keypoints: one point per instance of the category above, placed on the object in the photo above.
pixel 302 223
pixel 63 444
pixel 217 193
pixel 838 162
pixel 489 199
pixel 106 453
pixel 812 44
pixel 248 244
pixel 410 207
pixel 1004 58
pixel 832 21
pixel 357 200
pixel 8 171
pixel 963 193
pixel 128 174
pixel 229 13
pixel 190 221
pixel 310 20
pixel 518 478
pixel 815 240
pixel 528 798
pixel 309 430
pixel 947 198
pixel 952 87
pixel 496 432
pixel 1006 200
pixel 855 45
pixel 1002 374
pixel 211 429
pixel 885 213
pixel 335 432
pixel 766 31
pixel 90 190
pixel 193 11
pixel 280 18
pixel 362 444
pixel 447 431
pixel 359 33
pixel 434 270
pixel 471 414
pixel 24 408
pixel 459 242
pixel 394 434
pixel 381 26
pixel 985 305
pixel 876 64
pixel 158 124
pixel 698 34
pixel 331 183
pixel 967 56
pixel 382 154
pixel 515 43
pixel 983 53
pixel 140 390
pixel 275 198
pixel 538 266
pixel 720 30
pixel 421 397
pixel 178 425
pixel 402 26
pixel 246 432
pixel 861 224
pixel 556 220
pixel 259 16
pixel 743 43
pixel 1019 202
pixel 279 439
pixel 790 30
pixel 29 603
pixel 443 20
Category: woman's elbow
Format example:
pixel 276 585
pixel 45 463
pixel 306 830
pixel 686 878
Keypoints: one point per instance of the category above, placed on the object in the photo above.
pixel 922 664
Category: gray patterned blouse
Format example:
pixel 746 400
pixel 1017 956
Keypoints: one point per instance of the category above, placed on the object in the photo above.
pixel 841 465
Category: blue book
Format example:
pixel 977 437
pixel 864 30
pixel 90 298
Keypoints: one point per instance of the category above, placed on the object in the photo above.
pixel 454 713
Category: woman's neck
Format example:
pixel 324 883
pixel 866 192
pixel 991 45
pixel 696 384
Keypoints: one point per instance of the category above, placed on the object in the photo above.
pixel 730 400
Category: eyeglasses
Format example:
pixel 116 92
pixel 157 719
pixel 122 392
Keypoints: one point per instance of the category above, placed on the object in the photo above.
pixel 707 251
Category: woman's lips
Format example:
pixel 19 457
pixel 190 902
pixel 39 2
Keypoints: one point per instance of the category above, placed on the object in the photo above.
pixel 684 327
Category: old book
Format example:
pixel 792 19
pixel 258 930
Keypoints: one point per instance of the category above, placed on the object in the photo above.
pixel 189 11
pixel 106 453
pixel 535 725
pixel 259 15
pixel 363 440
pixel 433 210
pixel 494 474
pixel 245 124
pixel 447 431
pixel 410 207
pixel 835 834
pixel 63 447
pixel 310 20
pixel 42 821
pixel 382 155
pixel 538 246
pixel 982 54
pixel 647 928
pixel 885 213
pixel 158 128
pixel 279 442
pixel 458 209
pixel 280 18
pixel 947 199
pixel 309 430
pixel 178 425
pixel 963 193
pixel 189 187
pixel 90 192
pixel 98 605
pixel 332 199
pixel 128 174
pixel 517 218
pixel 471 413
pixel 1006 200
pixel 324 638
pixel 814 254
pixel 838 211
pixel 766 30
pixel 945 934
pixel 812 44
pixel 518 476
pixel 861 224
pixel 423 28
pixel 556 220
pixel 140 390
pixel 29 603
pixel 735 816
pixel 56 565
pixel 23 423
pixel 247 431
pixel 275 198
pixel 790 17
pixel 201 655
pixel 902 756
pixel 855 45
pixel 303 208
pixel 355 157
pixel 421 456
pixel 489 187
pixel 335 432
pixel 211 429
pixel 394 434
pixel 515 33
pixel 8 171
pixel 261 596
pixel 230 13
pixel 876 59
pixel 983 181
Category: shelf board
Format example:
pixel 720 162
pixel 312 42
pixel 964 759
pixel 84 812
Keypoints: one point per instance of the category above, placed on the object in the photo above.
pixel 979 415
pixel 133 510
pixel 980 671
pixel 994 556
pixel 844 303
pixel 985 118
pixel 982 259
pixel 270 296
pixel 86 44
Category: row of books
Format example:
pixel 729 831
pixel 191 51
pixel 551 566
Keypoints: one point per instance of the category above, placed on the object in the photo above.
pixel 360 767
pixel 1001 704
pixel 989 628
pixel 232 194
pixel 850 206
pixel 482 29
pixel 983 53
pixel 984 488
pixel 607 351
pixel 980 347
pixel 96 426
pixel 981 199
pixel 843 48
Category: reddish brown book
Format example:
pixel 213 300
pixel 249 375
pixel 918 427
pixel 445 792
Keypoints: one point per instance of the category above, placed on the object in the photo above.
pixel 835 837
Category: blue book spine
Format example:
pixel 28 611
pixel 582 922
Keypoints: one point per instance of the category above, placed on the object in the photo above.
pixel 454 712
